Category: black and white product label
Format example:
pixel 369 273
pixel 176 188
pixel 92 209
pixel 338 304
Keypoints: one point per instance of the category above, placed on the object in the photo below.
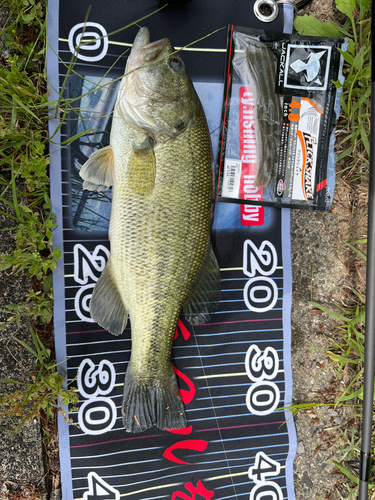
pixel 303 68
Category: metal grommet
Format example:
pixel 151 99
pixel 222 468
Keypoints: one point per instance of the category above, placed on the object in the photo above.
pixel 266 10
pixel 289 2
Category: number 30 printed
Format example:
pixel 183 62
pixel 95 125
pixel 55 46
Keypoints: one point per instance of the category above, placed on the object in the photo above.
pixel 97 415
pixel 263 396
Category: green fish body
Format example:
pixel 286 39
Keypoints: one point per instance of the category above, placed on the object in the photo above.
pixel 159 164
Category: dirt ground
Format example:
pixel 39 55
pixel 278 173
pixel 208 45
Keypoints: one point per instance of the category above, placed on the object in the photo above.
pixel 324 270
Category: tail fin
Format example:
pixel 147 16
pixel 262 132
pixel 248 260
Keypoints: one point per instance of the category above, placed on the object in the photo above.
pixel 148 403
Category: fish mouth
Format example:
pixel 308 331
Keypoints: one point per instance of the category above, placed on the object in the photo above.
pixel 149 52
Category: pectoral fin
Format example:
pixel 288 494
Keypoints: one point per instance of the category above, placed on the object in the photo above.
pixel 205 296
pixel 98 171
pixel 142 167
pixel 106 306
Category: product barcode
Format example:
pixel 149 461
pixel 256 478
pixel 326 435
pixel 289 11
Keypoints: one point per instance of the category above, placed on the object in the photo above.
pixel 231 179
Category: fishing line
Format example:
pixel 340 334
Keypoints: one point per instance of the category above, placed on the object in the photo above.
pixel 213 408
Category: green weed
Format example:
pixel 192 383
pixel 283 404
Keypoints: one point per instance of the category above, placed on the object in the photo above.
pixel 30 13
pixel 38 306
pixel 355 99
pixel 24 196
pixel 348 354
pixel 350 450
pixel 46 392
pixel 354 131
pixel 350 350
pixel 24 161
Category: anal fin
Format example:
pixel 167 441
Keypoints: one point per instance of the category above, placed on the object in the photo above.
pixel 98 171
pixel 106 306
pixel 205 297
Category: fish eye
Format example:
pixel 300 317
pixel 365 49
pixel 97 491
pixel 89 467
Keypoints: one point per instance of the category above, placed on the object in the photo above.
pixel 176 64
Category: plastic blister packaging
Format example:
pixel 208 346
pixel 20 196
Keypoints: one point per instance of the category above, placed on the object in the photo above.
pixel 279 115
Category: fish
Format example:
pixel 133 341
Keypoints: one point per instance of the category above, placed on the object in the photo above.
pixel 159 164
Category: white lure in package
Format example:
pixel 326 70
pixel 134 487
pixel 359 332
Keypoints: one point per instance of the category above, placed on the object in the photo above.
pixel 279 114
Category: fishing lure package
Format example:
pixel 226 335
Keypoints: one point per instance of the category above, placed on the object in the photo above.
pixel 279 115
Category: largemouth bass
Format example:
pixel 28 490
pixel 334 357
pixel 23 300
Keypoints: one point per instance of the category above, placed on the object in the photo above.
pixel 159 164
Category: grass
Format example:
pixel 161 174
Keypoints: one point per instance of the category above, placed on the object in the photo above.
pixel 354 152
pixel 354 123
pixel 46 392
pixel 24 196
pixel 24 161
pixel 349 352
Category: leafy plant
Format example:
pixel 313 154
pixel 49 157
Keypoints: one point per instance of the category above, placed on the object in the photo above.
pixel 348 472
pixel 351 444
pixel 355 98
pixel 24 181
pixel 351 349
pixel 37 307
pixel 24 196
pixel 28 12
pixel 46 392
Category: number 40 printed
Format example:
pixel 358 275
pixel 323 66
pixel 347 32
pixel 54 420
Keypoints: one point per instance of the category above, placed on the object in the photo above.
pixel 264 468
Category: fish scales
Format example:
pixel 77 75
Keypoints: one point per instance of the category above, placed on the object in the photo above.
pixel 162 231
pixel 161 262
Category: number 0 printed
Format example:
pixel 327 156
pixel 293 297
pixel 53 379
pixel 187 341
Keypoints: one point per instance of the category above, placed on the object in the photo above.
pixel 88 41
